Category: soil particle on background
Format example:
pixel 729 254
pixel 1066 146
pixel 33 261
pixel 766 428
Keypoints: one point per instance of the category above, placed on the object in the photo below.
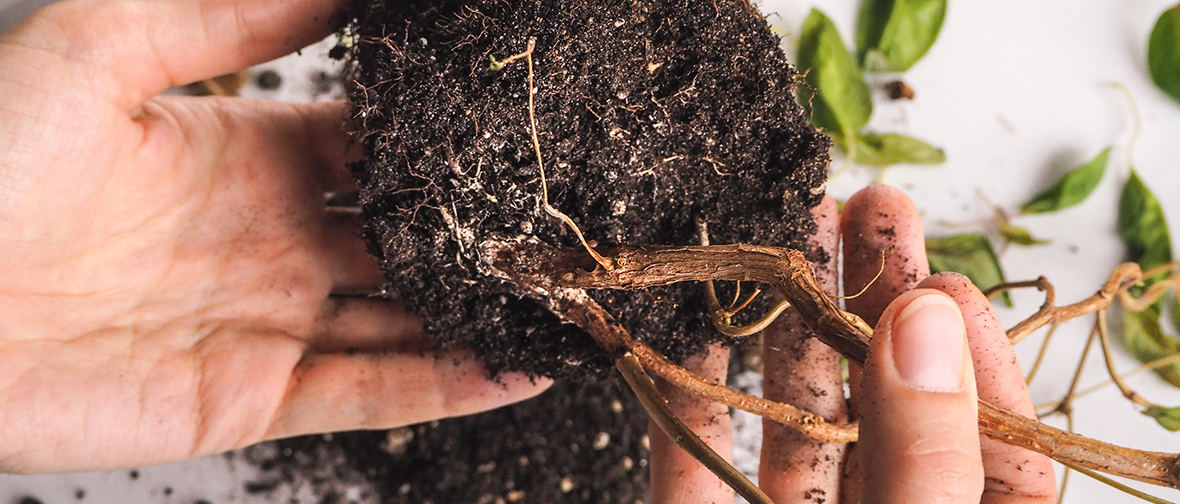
pixel 269 80
pixel 899 90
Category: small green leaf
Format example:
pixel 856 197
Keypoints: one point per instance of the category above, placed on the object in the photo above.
pixel 1142 226
pixel 1020 236
pixel 1163 52
pixel 889 149
pixel 1071 189
pixel 970 254
pixel 842 102
pixel 892 35
pixel 1146 341
pixel 1169 418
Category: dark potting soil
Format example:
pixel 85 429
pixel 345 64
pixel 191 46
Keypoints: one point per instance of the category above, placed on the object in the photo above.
pixel 577 442
pixel 651 115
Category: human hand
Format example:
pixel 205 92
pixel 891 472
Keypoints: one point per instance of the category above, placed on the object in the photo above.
pixel 918 443
pixel 169 262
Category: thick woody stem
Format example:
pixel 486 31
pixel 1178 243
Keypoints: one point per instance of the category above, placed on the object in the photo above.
pixel 577 307
pixel 545 267
pixel 591 317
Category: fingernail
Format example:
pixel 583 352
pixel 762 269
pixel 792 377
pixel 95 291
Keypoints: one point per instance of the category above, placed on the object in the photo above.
pixel 927 340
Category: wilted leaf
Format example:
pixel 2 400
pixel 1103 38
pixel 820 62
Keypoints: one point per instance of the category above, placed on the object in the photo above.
pixel 892 35
pixel 1019 235
pixel 842 102
pixel 1142 226
pixel 1163 52
pixel 970 254
pixel 889 149
pixel 1071 189
pixel 1146 341
pixel 1169 418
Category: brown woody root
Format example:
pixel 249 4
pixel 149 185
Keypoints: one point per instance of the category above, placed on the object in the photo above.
pixel 542 268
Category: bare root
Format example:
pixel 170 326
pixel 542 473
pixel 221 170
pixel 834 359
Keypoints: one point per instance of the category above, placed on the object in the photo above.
pixel 547 271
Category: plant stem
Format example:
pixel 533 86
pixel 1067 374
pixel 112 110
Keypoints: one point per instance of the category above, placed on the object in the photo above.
pixel 543 268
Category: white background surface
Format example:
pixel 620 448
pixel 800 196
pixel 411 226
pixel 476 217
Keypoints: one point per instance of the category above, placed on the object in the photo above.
pixel 1016 92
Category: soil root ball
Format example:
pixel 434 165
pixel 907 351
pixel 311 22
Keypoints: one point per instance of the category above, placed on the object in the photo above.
pixel 651 114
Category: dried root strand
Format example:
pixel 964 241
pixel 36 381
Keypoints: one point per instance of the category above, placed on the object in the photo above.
pixel 1123 277
pixel 720 317
pixel 539 266
pixel 657 408
pixel 549 209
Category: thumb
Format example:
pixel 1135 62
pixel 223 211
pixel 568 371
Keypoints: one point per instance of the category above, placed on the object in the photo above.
pixel 919 434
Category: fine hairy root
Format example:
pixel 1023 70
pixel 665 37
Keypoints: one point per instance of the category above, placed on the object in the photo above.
pixel 559 278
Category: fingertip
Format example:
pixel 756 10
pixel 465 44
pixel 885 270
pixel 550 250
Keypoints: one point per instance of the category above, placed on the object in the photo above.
pixel 132 50
pixel 919 436
pixel 332 392
pixel 1001 383
pixel 991 352
pixel 519 386
pixel 826 213
pixel 926 333
pixel 881 219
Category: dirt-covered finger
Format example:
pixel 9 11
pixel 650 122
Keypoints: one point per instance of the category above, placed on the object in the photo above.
pixel 881 219
pixel 877 219
pixel 1012 474
pixel 675 475
pixel 798 369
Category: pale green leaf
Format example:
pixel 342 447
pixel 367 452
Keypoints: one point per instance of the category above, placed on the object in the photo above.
pixel 842 102
pixel 892 35
pixel 1163 52
pixel 1020 236
pixel 1142 226
pixel 889 149
pixel 1071 189
pixel 1146 341
pixel 970 254
pixel 1169 418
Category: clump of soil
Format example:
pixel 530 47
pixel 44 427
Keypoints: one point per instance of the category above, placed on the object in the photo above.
pixel 651 115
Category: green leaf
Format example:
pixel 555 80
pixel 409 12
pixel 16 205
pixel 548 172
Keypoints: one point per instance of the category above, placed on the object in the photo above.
pixel 1142 226
pixel 892 35
pixel 1071 189
pixel 1169 418
pixel 970 254
pixel 889 149
pixel 1146 341
pixel 1020 236
pixel 842 102
pixel 1163 52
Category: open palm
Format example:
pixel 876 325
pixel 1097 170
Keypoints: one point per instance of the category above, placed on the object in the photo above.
pixel 169 264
